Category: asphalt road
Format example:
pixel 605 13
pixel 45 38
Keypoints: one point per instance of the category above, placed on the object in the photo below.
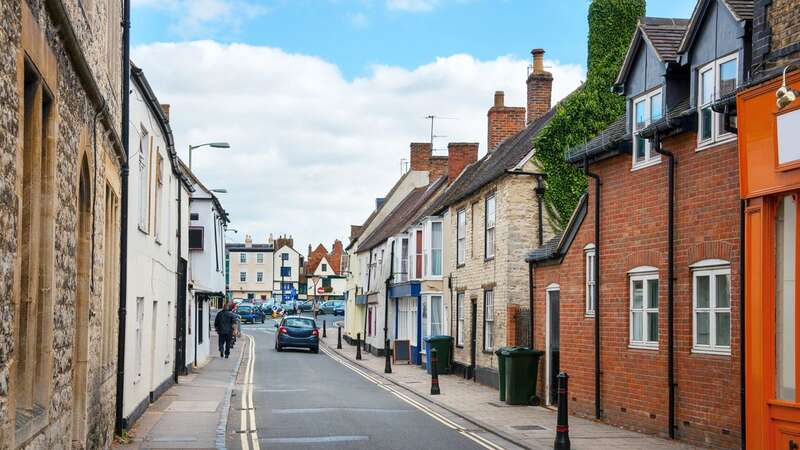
pixel 306 400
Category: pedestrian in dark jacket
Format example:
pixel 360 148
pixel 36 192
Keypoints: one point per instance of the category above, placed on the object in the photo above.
pixel 224 324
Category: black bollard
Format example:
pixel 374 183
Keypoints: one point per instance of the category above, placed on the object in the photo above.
pixel 562 426
pixel 324 329
pixel 358 345
pixel 388 353
pixel 339 339
pixel 434 374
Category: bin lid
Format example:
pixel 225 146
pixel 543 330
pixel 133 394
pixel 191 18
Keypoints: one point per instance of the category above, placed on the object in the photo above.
pixel 523 351
pixel 504 350
pixel 440 338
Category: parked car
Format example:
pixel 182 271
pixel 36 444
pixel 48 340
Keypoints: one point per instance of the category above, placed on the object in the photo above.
pixel 298 332
pixel 290 306
pixel 305 305
pixel 250 313
pixel 330 306
pixel 271 306
pixel 338 310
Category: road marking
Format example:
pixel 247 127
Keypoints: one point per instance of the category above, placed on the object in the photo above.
pixel 280 390
pixel 249 433
pixel 328 410
pixel 314 440
pixel 480 440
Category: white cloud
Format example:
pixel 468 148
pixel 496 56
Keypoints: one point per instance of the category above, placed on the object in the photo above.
pixel 201 17
pixel 358 20
pixel 310 149
pixel 411 5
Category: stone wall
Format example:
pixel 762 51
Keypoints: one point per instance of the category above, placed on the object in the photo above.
pixel 28 31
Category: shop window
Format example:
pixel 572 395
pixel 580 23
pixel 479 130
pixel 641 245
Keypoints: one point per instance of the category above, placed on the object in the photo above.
pixel 785 288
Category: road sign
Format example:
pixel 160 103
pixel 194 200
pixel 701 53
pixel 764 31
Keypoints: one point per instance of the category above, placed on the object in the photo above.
pixel 320 290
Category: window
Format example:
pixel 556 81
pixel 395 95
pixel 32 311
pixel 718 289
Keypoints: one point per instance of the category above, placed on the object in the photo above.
pixel 402 276
pixel 243 277
pixel 242 258
pixel 113 41
pixel 195 238
pixel 460 318
pixel 785 309
pixel 287 287
pixel 435 326
pixel 284 256
pixel 259 258
pixel 110 282
pixel 644 307
pixel 286 271
pixel 144 179
pixel 714 81
pixel 326 282
pixel 489 223
pixel 259 277
pixel 646 109
pixel 194 216
pixel 488 320
pixel 712 307
pixel 418 256
pixel 324 267
pixel 159 192
pixel 433 249
pixel 590 279
pixel 461 236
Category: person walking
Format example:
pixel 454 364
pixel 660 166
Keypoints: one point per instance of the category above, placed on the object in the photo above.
pixel 224 324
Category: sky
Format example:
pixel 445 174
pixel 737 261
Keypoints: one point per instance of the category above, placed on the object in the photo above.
pixel 320 99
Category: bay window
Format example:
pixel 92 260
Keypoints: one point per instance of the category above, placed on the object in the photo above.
pixel 418 254
pixel 714 81
pixel 401 271
pixel 644 307
pixel 712 307
pixel 646 110
pixel 433 249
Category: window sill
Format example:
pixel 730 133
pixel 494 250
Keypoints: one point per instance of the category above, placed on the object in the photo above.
pixel 461 266
pixel 714 143
pixel 711 352
pixel 646 164
pixel 460 346
pixel 487 352
pixel 589 315
pixel 488 259
pixel 643 346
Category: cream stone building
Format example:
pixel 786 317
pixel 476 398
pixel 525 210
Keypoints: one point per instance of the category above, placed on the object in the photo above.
pixel 261 271
pixel 61 159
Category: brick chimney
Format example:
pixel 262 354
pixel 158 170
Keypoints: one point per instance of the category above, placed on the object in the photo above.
pixel 540 86
pixel 459 156
pixel 504 121
pixel 422 159
pixel 165 110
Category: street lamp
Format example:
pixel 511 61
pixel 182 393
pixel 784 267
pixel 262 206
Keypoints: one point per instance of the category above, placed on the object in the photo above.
pixel 208 144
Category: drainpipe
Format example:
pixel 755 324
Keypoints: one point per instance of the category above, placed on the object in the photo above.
pixel 539 189
pixel 531 287
pixel 598 410
pixel 123 240
pixel 742 379
pixel 670 278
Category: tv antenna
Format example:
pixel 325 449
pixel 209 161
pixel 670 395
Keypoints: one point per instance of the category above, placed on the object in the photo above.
pixel 432 118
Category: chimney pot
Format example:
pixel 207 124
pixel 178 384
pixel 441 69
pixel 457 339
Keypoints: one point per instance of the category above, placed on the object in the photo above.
pixel 499 98
pixel 538 60
pixel 165 110
pixel 540 86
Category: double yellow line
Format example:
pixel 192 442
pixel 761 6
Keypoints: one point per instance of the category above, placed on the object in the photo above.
pixel 250 432
pixel 480 440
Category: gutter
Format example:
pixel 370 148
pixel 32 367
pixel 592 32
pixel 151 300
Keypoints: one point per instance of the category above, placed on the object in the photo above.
pixel 119 423
pixel 598 410
pixel 670 279
pixel 75 53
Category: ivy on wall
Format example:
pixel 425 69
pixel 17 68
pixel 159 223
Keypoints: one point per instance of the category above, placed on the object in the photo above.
pixel 588 110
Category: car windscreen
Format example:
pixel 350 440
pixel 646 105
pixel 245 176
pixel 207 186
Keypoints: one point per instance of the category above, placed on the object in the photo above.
pixel 244 309
pixel 299 323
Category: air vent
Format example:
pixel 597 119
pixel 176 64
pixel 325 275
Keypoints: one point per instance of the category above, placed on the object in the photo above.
pixel 194 216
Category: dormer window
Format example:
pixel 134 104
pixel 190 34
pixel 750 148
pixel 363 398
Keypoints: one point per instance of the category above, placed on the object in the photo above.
pixel 647 109
pixel 714 80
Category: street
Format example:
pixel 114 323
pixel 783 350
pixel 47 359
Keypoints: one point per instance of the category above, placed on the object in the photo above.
pixel 303 400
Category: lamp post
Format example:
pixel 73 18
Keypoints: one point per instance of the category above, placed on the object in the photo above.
pixel 208 144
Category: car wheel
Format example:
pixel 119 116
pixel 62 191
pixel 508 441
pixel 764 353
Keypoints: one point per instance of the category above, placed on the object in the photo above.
pixel 278 347
pixel 315 350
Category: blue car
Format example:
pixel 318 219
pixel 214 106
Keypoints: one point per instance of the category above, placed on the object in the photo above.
pixel 297 332
pixel 338 309
pixel 250 313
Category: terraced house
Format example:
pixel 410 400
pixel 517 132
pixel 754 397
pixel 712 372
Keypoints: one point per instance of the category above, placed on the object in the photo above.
pixel 639 298
pixel 61 158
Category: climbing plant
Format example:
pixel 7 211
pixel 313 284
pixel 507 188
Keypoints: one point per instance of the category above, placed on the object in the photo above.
pixel 588 110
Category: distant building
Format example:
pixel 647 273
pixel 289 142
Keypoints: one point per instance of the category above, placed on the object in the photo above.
pixel 324 277
pixel 263 271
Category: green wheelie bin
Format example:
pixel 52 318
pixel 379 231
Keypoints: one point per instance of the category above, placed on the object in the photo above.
pixel 502 354
pixel 522 368
pixel 442 344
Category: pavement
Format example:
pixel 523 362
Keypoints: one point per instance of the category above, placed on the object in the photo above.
pixel 192 413
pixel 530 427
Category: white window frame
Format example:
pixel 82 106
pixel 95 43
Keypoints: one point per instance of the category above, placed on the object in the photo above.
pixel 428 250
pixel 591 278
pixel 460 298
pixel 488 320
pixel 402 273
pixel 649 158
pixel 242 277
pixel 643 274
pixel 710 268
pixel 461 236
pixel 259 258
pixel 242 258
pixel 718 135
pixel 259 277
pixel 144 180
pixel 489 226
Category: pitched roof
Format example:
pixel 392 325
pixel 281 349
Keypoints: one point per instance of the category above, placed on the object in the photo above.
pixel 402 214
pixel 493 165
pixel 557 247
pixel 607 139
pixel 664 35
pixel 740 9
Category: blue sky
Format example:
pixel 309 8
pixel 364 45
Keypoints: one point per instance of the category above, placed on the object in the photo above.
pixel 356 34
pixel 320 99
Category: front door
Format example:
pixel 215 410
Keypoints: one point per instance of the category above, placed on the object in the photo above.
pixel 473 331
pixel 553 295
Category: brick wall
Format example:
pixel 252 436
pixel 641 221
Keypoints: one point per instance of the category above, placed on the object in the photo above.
pixel 503 121
pixel 540 86
pixel 633 233
pixel 776 33
pixel 422 159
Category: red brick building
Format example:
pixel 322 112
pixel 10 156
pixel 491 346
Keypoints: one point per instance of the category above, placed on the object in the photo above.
pixel 657 293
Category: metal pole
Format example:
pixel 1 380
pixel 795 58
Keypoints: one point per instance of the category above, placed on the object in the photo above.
pixel 324 328
pixel 434 373
pixel 358 346
pixel 190 157
pixel 339 339
pixel 562 426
